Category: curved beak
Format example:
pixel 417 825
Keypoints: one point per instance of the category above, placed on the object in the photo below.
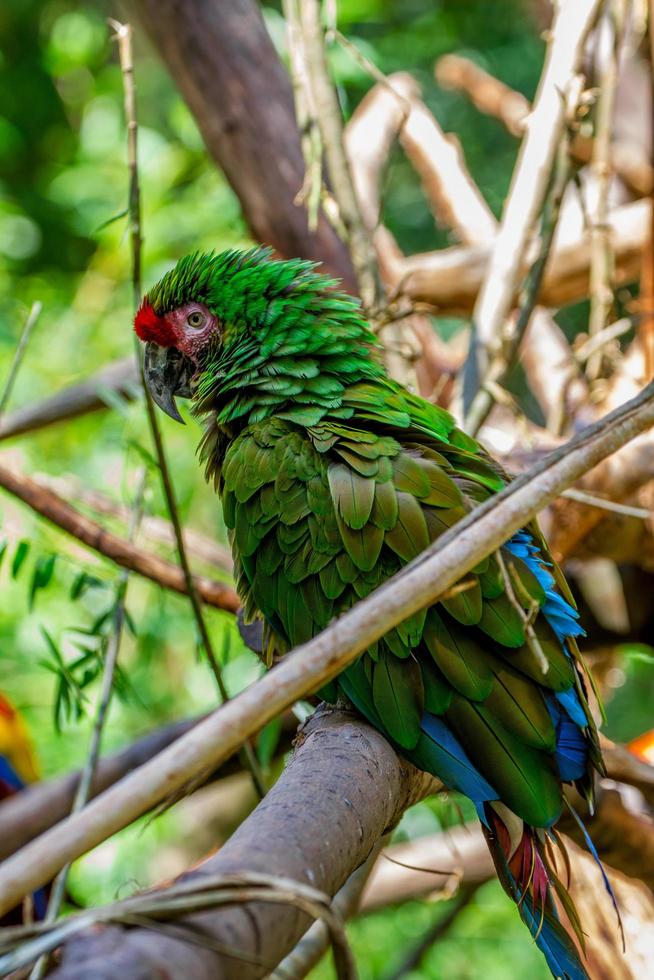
pixel 167 374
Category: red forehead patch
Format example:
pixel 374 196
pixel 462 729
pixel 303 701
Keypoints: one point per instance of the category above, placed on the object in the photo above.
pixel 149 326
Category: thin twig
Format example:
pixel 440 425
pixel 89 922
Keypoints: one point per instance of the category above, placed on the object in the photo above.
pixel 527 617
pixel 419 584
pixel 605 336
pixel 307 117
pixel 19 353
pixel 601 268
pixel 124 39
pixel 198 894
pixel 83 791
pixel 611 505
pixel 328 112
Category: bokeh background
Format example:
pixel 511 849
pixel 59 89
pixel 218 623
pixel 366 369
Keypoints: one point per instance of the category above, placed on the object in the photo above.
pixel 63 191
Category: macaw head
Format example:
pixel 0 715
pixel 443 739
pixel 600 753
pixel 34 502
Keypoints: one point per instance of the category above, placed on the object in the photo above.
pixel 238 330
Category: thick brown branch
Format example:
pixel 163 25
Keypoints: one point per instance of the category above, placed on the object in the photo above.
pixel 363 789
pixel 242 100
pixel 449 280
pixel 49 505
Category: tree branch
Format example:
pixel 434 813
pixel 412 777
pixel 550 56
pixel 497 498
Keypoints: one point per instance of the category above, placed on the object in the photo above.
pixel 40 806
pixel 242 100
pixel 529 185
pixel 78 399
pixel 511 108
pixel 152 528
pixel 49 505
pixel 449 280
pixel 363 787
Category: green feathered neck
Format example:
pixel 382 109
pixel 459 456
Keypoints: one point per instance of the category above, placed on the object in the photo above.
pixel 290 342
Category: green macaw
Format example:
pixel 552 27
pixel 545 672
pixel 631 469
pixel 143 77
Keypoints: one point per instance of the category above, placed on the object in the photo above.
pixel 332 477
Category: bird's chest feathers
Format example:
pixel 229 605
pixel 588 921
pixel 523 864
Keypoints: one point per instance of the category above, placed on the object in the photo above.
pixel 272 480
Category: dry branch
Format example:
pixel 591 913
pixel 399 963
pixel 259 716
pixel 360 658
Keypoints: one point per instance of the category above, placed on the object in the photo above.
pixel 428 865
pixel 339 759
pixel 453 195
pixel 393 109
pixel 152 528
pixel 39 806
pixel 78 399
pixel 450 279
pixel 310 949
pixel 487 93
pixel 553 374
pixel 322 658
pixel 570 522
pixel 529 184
pixel 511 108
pixel 601 267
pixel 330 122
pixel 31 812
pixel 49 505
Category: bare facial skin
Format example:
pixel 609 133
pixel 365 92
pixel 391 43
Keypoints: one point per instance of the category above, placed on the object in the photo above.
pixel 192 326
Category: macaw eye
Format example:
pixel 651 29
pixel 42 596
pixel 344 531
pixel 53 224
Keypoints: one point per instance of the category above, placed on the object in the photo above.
pixel 195 319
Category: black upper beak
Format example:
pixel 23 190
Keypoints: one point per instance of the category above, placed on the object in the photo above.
pixel 167 374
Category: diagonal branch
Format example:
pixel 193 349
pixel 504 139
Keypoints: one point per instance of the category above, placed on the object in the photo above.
pixel 60 513
pixel 322 658
pixel 352 806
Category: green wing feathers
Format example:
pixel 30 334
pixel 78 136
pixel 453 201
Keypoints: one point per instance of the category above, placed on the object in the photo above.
pixel 321 516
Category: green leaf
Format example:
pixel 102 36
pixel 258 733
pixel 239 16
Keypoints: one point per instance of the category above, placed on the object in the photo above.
pixel 129 621
pixel 42 576
pixel 20 555
pixel 3 549
pixel 84 581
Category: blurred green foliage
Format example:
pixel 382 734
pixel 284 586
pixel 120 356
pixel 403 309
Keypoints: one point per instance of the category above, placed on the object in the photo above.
pixel 63 188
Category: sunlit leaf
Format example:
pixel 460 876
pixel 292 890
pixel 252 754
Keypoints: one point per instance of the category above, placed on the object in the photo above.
pixel 20 554
pixel 43 571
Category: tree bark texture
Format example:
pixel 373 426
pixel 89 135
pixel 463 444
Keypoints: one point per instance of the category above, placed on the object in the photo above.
pixel 224 63
pixel 362 787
